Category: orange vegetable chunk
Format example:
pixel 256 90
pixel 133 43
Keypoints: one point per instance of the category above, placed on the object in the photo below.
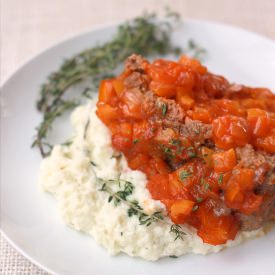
pixel 224 161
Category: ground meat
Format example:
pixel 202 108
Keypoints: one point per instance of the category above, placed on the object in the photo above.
pixel 136 80
pixel 196 130
pixel 268 186
pixel 263 164
pixel 135 63
pixel 170 112
pixel 257 219
pixel 165 112
pixel 250 158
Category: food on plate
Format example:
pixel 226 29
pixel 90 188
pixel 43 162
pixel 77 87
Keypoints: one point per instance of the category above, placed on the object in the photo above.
pixel 172 159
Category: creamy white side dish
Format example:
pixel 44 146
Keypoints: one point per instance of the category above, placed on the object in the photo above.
pixel 70 176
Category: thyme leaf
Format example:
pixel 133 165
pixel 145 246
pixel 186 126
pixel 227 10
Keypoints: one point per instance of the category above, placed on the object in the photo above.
pixel 177 230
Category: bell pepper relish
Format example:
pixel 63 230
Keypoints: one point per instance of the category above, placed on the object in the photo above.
pixel 197 175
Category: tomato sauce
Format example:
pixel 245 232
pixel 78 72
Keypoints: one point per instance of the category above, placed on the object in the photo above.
pixel 197 176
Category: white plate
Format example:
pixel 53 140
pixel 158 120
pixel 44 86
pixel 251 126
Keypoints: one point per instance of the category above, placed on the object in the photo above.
pixel 29 217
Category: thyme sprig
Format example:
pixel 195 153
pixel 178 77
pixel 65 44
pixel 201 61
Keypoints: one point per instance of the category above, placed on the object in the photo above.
pixel 134 208
pixel 143 35
pixel 177 230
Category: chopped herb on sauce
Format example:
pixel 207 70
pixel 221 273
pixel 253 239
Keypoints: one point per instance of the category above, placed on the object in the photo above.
pixel 184 174
pixel 199 200
pixel 135 141
pixel 164 109
pixel 220 179
pixel 205 184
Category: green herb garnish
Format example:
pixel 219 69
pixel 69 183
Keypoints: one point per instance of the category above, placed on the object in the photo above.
pixel 135 141
pixel 177 230
pixel 175 142
pixel 92 163
pixel 191 152
pixel 184 174
pixel 199 200
pixel 205 184
pixel 134 208
pixel 164 109
pixel 220 179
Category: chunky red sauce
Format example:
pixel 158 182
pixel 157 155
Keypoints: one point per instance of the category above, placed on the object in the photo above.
pixel 181 126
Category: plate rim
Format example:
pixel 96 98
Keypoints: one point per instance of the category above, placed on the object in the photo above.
pixel 97 27
pixel 69 38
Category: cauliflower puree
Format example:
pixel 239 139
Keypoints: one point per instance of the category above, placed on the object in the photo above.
pixel 69 174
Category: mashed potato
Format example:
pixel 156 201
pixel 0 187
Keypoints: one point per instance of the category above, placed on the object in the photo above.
pixel 70 176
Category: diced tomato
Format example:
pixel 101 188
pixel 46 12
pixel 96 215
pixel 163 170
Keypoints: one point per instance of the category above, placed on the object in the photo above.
pixel 239 191
pixel 163 89
pixel 180 210
pixel 118 86
pixel 131 102
pixel 107 113
pixel 185 90
pixel 124 128
pixel 233 195
pixel 201 114
pixel 122 136
pixel 121 142
pixel 224 161
pixel 231 107
pixel 258 121
pixel 267 143
pixel 253 103
pixel 214 229
pixel 107 92
pixel 251 203
pixel 158 166
pixel 185 101
pixel 214 85
pixel 177 188
pixel 230 131
pixel 158 186
pixel 140 162
pixel 164 136
pixel 245 177
pixel 192 64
